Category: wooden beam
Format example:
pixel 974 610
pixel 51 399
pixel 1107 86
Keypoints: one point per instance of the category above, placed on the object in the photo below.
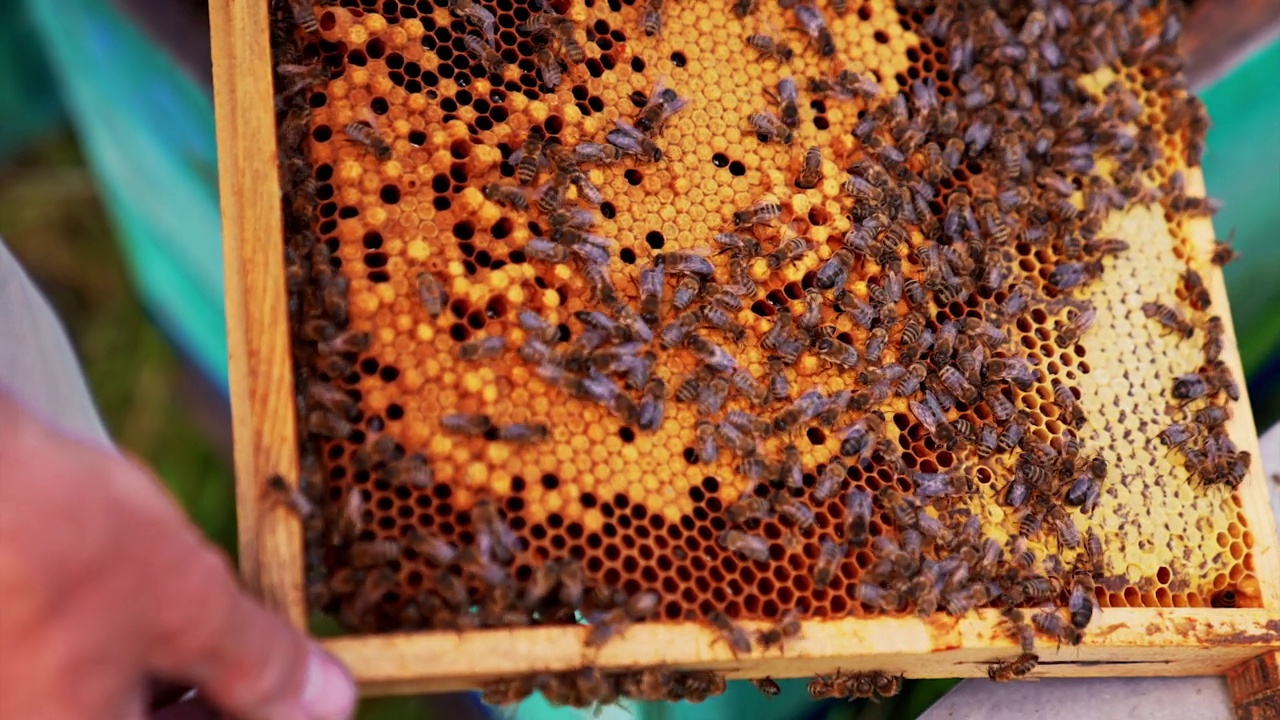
pixel 257 328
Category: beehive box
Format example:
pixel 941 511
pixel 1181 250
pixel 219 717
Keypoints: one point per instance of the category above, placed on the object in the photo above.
pixel 1079 187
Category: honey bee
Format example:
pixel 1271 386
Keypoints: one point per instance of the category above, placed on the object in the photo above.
pixel 769 128
pixel 481 18
pixel 490 59
pixel 1177 435
pixel 713 396
pixel 749 507
pixel 788 101
pixel 696 686
pixel 1197 385
pixel 788 626
pixel 687 263
pixel 1049 622
pixel 789 251
pixel 810 168
pixel 1222 254
pixel 910 382
pixel 505 195
pixel 1068 534
pixel 350 518
pixel 548 66
pixel 466 424
pixel 492 531
pixel 663 103
pixel 508 692
pixel 851 83
pixel 857 523
pixel 767 686
pixel 930 415
pixel 1069 275
pixel 938 484
pixel 731 633
pixel 826 686
pixel 1013 669
pixel 651 21
pixel 887 685
pixel 1076 327
pixel 304 15
pixel 370 553
pixel 538 327
pixel 800 514
pixel 1214 331
pixel 1169 318
pixel 757 214
pixel 719 318
pixel 572 583
pixel 805 408
pixel 627 138
pixel 544 250
pixel 411 471
pixel 587 152
pixel 482 348
pixel 363 133
pixel 435 550
pixel 829 482
pixel 1081 601
pixel 1015 370
pixel 524 433
pixel 751 547
pixel 278 491
pixel 830 554
pixel 327 424
pixel 299 77
pixel 530 155
pixel 1065 399
pixel 607 626
pixel 837 352
pixel 653 405
pixel 770 48
pixel 815 26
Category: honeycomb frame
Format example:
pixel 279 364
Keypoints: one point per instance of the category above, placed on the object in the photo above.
pixel 1121 641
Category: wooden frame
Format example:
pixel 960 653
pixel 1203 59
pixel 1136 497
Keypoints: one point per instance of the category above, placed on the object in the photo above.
pixel 1120 642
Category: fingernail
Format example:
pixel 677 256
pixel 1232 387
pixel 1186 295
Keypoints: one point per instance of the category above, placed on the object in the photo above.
pixel 329 693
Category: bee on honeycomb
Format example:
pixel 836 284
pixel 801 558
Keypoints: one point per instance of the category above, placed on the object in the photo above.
pixel 615 311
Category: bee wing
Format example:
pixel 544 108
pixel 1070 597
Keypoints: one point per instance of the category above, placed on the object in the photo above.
pixel 627 128
pixel 658 86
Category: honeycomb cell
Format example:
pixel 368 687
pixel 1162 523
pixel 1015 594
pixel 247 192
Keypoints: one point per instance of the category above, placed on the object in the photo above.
pixel 429 215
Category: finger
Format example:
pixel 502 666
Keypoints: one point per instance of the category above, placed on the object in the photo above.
pixel 244 659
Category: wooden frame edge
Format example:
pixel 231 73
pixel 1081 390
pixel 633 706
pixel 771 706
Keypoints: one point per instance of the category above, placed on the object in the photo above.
pixel 261 368
pixel 1120 642
pixel 1255 503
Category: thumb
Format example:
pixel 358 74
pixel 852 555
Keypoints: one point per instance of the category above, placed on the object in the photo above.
pixel 244 659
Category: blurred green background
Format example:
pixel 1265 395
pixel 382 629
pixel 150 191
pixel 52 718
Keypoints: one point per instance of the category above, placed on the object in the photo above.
pixel 95 118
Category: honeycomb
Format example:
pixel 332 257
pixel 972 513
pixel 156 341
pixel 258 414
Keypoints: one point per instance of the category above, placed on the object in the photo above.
pixel 398 120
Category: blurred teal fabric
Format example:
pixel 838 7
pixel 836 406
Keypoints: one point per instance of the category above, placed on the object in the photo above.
pixel 1242 168
pixel 29 103
pixel 148 133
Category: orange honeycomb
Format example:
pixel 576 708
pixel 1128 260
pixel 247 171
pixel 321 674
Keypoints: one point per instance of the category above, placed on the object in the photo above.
pixel 641 510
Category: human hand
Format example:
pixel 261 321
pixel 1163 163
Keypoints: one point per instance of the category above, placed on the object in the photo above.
pixel 104 584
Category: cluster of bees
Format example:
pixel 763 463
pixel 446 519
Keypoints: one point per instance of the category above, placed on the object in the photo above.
pixel 919 251
pixel 1205 395
pixel 589 687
